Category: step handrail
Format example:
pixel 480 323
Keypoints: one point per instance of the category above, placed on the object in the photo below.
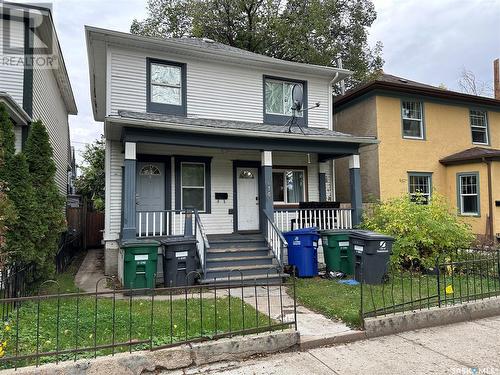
pixel 275 239
pixel 202 244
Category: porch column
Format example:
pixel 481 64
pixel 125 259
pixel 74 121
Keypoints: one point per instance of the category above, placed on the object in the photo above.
pixel 355 185
pixel 266 191
pixel 323 170
pixel 129 228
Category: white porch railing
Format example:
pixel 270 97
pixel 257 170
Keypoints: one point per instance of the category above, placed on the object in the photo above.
pixel 161 223
pixel 275 240
pixel 323 218
pixel 201 240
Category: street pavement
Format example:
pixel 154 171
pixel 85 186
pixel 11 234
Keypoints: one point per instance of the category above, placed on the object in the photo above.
pixel 463 348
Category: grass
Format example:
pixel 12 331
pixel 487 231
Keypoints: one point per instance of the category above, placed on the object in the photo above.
pixel 83 322
pixel 404 291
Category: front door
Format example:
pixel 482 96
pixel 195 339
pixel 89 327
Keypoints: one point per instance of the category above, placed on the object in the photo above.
pixel 247 185
pixel 150 193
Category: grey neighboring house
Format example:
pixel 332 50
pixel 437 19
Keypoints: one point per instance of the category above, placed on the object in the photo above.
pixel 34 92
pixel 191 124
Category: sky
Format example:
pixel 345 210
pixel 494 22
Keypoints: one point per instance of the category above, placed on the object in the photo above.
pixel 430 41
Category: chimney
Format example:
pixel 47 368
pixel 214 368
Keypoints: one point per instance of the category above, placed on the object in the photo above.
pixel 496 78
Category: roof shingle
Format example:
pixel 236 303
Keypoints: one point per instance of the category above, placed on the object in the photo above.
pixel 471 154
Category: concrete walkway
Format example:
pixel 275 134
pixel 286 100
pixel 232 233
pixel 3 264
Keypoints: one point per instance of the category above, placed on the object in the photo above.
pixel 314 328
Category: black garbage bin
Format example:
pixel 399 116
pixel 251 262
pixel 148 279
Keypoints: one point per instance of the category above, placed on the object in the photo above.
pixel 179 261
pixel 372 252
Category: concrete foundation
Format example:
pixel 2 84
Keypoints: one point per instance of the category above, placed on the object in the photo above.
pixel 111 258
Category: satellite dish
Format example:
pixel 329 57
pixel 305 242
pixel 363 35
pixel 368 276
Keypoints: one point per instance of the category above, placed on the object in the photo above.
pixel 297 97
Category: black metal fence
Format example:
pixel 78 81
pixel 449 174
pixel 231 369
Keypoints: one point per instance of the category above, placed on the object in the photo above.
pixel 69 246
pixel 15 281
pixel 464 276
pixel 53 326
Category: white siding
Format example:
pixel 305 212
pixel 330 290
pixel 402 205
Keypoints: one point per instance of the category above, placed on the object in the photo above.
pixel 214 90
pixel 219 221
pixel 48 106
pixel 18 132
pixel 12 75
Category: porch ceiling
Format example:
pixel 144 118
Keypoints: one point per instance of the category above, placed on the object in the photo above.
pixel 175 130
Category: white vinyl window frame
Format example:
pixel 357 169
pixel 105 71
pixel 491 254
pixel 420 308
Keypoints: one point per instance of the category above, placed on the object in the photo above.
pixel 154 83
pixel 285 190
pixel 406 114
pixel 413 186
pixel 204 187
pixel 479 123
pixel 283 84
pixel 461 194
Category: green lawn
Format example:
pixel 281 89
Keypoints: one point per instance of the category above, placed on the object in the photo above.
pixel 408 291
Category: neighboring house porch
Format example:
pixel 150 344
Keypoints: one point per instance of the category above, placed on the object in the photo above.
pixel 220 180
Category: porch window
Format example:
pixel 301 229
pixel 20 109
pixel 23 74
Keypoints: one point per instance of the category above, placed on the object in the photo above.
pixel 278 100
pixel 468 194
pixel 288 186
pixel 479 126
pixel 192 183
pixel 419 187
pixel 166 90
pixel 412 117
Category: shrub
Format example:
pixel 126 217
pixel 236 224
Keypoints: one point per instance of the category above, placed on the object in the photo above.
pixel 422 231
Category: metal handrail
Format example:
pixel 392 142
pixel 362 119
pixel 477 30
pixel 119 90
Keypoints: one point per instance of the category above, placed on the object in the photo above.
pixel 275 239
pixel 202 248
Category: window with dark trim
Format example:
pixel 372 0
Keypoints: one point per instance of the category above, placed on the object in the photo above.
pixel 420 186
pixel 479 126
pixel 468 194
pixel 289 186
pixel 192 183
pixel 166 87
pixel 413 119
pixel 278 100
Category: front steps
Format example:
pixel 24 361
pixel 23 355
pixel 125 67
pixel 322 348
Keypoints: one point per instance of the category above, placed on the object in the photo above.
pixel 240 258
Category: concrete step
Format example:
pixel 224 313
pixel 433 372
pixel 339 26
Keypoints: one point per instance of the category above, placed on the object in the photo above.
pixel 239 243
pixel 237 252
pixel 236 261
pixel 251 270
pixel 273 279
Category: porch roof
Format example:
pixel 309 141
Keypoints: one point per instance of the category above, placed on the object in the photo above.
pixel 194 131
pixel 474 154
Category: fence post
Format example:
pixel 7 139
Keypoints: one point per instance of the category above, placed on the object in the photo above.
pixel 438 276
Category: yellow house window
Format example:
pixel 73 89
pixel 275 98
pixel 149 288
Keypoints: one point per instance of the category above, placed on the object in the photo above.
pixel 412 117
pixel 479 126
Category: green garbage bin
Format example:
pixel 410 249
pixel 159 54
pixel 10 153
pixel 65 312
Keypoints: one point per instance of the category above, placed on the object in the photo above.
pixel 139 269
pixel 337 251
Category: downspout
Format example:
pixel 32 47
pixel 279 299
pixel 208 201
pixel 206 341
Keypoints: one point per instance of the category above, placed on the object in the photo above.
pixel 333 182
pixel 490 199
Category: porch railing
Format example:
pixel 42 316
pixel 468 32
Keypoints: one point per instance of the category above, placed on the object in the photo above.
pixel 161 223
pixel 201 240
pixel 287 219
pixel 275 239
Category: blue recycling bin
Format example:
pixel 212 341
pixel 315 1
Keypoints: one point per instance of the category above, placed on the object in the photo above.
pixel 303 251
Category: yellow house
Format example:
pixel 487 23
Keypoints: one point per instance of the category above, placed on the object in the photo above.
pixel 431 140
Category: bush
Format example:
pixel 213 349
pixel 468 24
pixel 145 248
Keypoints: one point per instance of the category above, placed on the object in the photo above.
pixel 422 231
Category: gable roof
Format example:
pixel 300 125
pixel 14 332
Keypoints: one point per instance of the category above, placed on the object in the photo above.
pixel 388 82
pixel 474 154
pixel 16 112
pixel 98 40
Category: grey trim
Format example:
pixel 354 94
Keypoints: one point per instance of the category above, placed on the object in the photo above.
pixel 421 174
pixel 422 107
pixel 207 160
pixel 277 119
pixel 28 71
pixel 322 187
pixel 266 194
pixel 244 164
pixel 167 160
pixel 129 200
pixel 488 134
pixel 459 200
pixel 237 142
pixel 166 108
pixel 356 196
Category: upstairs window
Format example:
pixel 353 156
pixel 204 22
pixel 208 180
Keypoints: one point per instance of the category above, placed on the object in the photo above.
pixel 278 101
pixel 166 90
pixel 412 116
pixel 479 126
pixel 419 187
pixel 468 194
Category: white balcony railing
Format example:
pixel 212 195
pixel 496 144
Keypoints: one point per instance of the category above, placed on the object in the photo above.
pixel 323 218
pixel 161 223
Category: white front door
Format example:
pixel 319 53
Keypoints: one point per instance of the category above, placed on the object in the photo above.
pixel 150 193
pixel 247 185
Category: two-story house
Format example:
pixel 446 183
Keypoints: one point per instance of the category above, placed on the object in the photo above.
pixel 431 140
pixel 194 124
pixel 34 83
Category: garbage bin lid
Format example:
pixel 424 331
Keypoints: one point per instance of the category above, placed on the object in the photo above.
pixel 178 240
pixel 332 232
pixel 138 243
pixel 311 230
pixel 370 235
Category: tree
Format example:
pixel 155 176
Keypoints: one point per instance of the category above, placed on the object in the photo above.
pixel 92 180
pixel 469 84
pixel 309 31
pixel 48 202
